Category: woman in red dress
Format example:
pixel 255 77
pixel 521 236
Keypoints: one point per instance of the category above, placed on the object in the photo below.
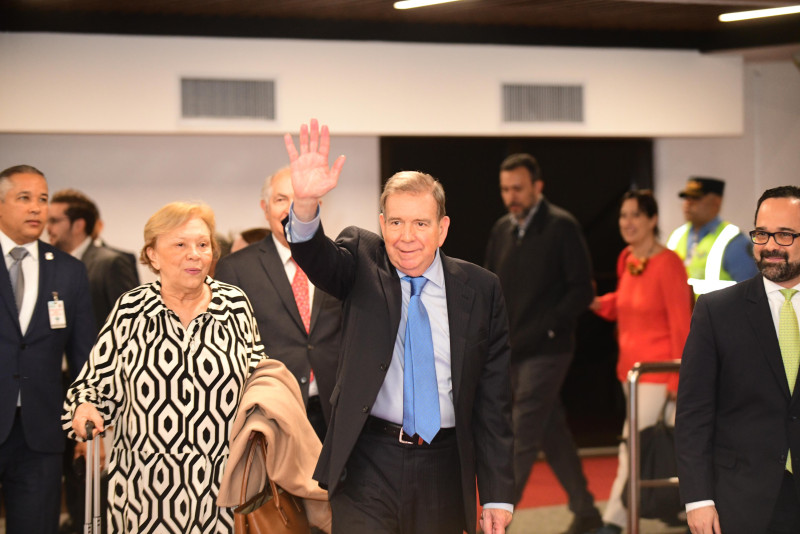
pixel 652 306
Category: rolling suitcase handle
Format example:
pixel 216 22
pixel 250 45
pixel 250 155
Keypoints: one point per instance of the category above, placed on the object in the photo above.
pixel 635 483
pixel 91 514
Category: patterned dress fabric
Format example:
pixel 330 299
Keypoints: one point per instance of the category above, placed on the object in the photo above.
pixel 171 394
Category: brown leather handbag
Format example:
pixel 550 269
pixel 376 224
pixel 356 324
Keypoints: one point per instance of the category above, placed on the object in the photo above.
pixel 272 511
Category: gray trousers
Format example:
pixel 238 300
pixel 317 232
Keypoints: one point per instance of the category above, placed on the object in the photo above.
pixel 540 424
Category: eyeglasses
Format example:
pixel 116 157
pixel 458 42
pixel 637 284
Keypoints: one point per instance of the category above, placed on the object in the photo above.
pixel 784 239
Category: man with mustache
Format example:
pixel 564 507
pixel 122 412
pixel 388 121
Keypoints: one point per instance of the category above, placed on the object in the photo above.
pixel 738 416
pixel 538 252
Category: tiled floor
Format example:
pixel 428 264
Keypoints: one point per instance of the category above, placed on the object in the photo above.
pixel 547 520
pixel 556 519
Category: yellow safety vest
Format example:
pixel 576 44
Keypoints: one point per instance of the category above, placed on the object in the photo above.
pixel 704 267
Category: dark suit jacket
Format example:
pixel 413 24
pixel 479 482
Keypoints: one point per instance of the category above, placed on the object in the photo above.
pixel 357 270
pixel 258 271
pixel 33 361
pixel 735 418
pixel 110 275
pixel 546 278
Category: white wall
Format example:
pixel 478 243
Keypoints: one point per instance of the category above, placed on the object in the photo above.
pixel 122 84
pixel 766 155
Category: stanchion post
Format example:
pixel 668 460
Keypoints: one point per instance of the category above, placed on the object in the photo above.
pixel 634 453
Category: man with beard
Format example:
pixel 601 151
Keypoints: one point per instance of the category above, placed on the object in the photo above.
pixel 538 251
pixel 738 415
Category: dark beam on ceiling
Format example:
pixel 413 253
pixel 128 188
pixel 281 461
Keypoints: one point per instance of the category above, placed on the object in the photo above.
pixel 765 32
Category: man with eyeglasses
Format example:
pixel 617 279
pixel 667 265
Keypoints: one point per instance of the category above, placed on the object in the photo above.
pixel 715 252
pixel 737 430
pixel 70 226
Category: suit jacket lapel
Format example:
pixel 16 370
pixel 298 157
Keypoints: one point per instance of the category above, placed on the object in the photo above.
pixel 390 282
pixel 89 255
pixel 276 272
pixel 46 274
pixel 316 304
pixel 760 317
pixel 460 298
pixel 539 218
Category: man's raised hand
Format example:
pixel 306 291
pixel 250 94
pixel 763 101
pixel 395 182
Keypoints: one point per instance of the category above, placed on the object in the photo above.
pixel 311 175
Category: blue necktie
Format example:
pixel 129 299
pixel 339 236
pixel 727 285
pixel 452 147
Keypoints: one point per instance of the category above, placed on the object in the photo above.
pixel 420 389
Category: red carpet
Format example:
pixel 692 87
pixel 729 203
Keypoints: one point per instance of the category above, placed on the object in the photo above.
pixel 543 488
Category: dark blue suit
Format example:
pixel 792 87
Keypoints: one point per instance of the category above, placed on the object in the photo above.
pixel 32 363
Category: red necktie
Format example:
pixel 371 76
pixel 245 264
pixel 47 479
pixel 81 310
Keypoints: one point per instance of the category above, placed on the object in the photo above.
pixel 300 290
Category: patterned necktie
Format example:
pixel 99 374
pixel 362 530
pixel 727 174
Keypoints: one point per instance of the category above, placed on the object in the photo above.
pixel 420 389
pixel 789 341
pixel 16 275
pixel 300 290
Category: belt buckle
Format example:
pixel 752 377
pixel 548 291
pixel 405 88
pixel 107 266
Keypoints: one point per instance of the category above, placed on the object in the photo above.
pixel 400 438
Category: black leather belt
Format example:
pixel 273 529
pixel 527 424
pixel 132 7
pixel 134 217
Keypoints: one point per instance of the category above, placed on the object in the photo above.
pixel 377 425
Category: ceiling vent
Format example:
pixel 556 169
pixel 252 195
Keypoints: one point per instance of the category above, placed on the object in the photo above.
pixel 227 99
pixel 542 103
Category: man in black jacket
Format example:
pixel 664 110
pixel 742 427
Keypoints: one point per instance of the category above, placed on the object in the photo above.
pixel 411 430
pixel 737 430
pixel 538 252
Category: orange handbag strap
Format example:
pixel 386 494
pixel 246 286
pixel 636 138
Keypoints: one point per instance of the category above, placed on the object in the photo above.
pixel 260 442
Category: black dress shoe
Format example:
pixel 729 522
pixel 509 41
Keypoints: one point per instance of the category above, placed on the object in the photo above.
pixel 581 524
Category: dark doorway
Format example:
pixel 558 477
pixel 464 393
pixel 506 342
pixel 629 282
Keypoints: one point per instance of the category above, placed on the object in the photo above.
pixel 585 176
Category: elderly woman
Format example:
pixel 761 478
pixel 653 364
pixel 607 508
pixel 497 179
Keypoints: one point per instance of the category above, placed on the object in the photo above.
pixel 652 306
pixel 167 371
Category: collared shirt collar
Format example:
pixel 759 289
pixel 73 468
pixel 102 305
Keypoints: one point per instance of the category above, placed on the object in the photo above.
pixel 522 227
pixel 434 273
pixel 7 243
pixel 283 253
pixel 215 306
pixel 772 287
pixel 80 250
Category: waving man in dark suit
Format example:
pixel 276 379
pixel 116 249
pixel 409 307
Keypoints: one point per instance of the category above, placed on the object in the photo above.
pixel 421 404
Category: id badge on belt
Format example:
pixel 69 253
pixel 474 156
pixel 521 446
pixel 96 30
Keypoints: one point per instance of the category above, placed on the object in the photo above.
pixel 55 308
